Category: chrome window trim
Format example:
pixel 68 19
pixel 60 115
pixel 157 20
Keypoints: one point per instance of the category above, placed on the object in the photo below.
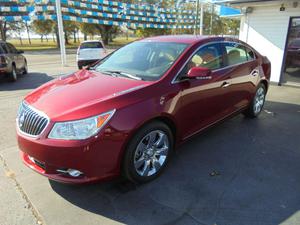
pixel 175 81
pixel 39 113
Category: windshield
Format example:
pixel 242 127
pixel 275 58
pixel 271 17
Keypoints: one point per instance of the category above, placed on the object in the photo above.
pixel 146 60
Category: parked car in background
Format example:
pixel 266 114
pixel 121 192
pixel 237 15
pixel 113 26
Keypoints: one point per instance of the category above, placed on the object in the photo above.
pixel 293 53
pixel 90 52
pixel 126 114
pixel 12 62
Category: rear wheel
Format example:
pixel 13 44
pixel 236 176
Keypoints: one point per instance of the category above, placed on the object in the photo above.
pixel 257 103
pixel 148 152
pixel 13 74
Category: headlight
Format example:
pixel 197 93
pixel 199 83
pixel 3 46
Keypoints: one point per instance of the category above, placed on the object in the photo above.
pixel 80 129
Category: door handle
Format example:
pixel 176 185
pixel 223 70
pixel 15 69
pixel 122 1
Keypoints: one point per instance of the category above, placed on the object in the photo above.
pixel 225 84
pixel 254 73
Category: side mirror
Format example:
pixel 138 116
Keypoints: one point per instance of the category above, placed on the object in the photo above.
pixel 20 51
pixel 200 73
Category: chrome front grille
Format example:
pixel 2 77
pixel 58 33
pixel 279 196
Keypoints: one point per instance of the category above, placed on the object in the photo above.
pixel 31 121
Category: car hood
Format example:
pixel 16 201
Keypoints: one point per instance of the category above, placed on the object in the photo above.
pixel 81 94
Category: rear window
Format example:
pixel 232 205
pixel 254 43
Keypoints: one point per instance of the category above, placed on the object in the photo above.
pixel 91 45
pixel 236 53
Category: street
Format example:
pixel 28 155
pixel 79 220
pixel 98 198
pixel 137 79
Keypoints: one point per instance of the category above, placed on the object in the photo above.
pixel 240 172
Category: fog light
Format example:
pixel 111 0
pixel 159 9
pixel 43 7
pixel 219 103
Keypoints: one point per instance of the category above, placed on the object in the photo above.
pixel 74 173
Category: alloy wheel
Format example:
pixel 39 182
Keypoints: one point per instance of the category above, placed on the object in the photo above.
pixel 14 73
pixel 151 153
pixel 259 100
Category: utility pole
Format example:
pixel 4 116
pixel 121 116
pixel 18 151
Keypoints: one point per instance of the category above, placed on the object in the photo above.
pixel 211 18
pixel 197 17
pixel 60 27
pixel 201 18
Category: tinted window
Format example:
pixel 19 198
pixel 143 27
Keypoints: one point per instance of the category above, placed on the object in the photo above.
pixel 11 48
pixel 236 53
pixel 3 48
pixel 250 54
pixel 295 42
pixel 209 56
pixel 91 45
pixel 147 60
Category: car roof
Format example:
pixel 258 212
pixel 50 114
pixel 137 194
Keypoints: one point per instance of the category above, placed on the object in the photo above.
pixel 188 39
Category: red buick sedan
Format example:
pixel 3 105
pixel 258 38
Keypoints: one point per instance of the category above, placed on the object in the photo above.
pixel 127 113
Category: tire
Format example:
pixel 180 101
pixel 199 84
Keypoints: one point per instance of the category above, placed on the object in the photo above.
pixel 25 69
pixel 13 75
pixel 79 67
pixel 143 163
pixel 257 102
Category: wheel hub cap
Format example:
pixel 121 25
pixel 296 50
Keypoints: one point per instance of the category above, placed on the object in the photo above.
pixel 259 100
pixel 151 153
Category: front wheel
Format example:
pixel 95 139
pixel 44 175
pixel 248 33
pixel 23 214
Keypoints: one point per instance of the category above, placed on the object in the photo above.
pixel 148 152
pixel 13 74
pixel 25 69
pixel 257 103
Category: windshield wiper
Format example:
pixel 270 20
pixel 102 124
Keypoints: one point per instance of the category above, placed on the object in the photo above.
pixel 120 73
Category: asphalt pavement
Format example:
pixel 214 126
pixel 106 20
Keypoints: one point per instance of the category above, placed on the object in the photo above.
pixel 241 172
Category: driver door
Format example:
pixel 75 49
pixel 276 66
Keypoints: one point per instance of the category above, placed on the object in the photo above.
pixel 203 101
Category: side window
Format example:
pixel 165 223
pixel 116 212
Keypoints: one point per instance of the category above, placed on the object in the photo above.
pixel 4 48
pixel 11 48
pixel 209 56
pixel 236 53
pixel 250 54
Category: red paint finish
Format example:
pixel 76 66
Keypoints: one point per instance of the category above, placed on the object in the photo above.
pixel 189 105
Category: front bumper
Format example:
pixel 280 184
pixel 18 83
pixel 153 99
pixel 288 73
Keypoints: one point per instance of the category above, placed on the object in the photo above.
pixel 98 158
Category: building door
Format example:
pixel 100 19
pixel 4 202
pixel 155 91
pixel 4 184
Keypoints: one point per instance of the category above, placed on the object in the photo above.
pixel 291 72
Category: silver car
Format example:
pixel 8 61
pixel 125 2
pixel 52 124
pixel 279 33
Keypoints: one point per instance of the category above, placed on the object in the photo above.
pixel 12 62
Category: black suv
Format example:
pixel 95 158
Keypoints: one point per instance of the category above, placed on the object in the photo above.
pixel 12 62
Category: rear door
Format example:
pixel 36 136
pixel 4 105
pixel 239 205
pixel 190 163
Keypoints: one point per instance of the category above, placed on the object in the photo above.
pixel 204 101
pixel 243 74
pixel 17 58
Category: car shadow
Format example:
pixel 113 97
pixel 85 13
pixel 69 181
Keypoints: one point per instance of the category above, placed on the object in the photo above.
pixel 28 81
pixel 243 171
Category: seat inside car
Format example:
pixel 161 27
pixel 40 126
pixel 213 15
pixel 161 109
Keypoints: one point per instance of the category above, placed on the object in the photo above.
pixel 234 57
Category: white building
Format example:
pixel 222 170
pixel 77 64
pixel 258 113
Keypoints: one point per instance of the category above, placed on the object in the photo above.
pixel 273 28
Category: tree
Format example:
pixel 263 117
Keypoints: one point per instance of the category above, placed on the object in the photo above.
pixel 9 27
pixel 42 27
pixel 28 32
pixel 147 32
pixel 17 28
pixel 105 31
pixel 70 28
pixel 88 29
pixel 3 30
